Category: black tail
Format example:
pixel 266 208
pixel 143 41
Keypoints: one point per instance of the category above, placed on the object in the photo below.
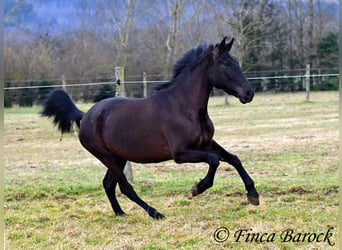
pixel 60 106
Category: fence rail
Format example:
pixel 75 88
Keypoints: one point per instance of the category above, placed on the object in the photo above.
pixel 158 82
pixel 27 93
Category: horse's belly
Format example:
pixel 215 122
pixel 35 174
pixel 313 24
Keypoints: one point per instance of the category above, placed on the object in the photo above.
pixel 143 144
pixel 142 152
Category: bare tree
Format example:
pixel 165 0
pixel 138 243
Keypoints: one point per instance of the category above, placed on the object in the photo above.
pixel 307 22
pixel 13 9
pixel 248 21
pixel 150 37
pixel 197 23
pixel 119 18
pixel 175 10
pixel 310 30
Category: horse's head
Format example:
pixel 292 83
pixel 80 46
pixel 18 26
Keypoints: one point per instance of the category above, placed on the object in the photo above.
pixel 227 75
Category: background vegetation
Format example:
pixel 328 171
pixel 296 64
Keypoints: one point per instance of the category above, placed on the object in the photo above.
pixel 54 197
pixel 273 38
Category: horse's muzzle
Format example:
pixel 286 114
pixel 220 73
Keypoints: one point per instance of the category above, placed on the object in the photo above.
pixel 248 97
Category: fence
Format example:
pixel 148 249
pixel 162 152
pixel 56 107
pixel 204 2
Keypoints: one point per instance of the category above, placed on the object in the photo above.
pixel 27 93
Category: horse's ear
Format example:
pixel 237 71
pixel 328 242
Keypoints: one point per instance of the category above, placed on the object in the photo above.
pixel 222 45
pixel 230 44
pixel 220 48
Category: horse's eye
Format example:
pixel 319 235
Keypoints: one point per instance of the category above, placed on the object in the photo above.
pixel 226 64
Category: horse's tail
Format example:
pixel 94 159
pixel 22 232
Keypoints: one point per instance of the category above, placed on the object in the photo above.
pixel 60 106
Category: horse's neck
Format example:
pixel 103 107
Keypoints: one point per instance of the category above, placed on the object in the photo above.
pixel 194 89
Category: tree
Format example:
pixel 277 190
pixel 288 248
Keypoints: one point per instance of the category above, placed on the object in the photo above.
pixel 270 35
pixel 175 9
pixel 119 19
pixel 328 50
pixel 249 21
pixel 307 22
pixel 12 8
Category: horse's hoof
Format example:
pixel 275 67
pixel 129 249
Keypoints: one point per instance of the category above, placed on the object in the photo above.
pixel 120 214
pixel 194 190
pixel 253 200
pixel 156 215
pixel 159 216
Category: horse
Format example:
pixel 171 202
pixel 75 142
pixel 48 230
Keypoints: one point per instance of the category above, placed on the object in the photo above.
pixel 172 123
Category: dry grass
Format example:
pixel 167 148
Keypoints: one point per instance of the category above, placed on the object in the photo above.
pixel 54 198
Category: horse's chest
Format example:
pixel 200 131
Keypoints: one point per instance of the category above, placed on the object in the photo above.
pixel 206 134
pixel 206 130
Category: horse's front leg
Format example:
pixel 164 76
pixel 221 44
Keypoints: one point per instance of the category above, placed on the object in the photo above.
pixel 199 156
pixel 223 155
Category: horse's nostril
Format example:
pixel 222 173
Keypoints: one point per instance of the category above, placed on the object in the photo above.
pixel 247 97
pixel 249 93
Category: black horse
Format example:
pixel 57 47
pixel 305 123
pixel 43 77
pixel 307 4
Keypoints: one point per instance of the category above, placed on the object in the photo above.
pixel 172 123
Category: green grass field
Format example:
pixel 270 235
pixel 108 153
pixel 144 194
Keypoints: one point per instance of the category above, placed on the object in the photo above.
pixel 54 197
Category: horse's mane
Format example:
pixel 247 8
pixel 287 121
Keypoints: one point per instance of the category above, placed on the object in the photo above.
pixel 187 60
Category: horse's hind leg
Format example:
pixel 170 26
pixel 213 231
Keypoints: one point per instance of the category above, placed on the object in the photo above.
pixel 115 167
pixel 128 190
pixel 109 184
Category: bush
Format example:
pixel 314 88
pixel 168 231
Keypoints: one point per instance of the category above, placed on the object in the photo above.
pixel 106 91
pixel 43 92
pixel 327 85
pixel 7 99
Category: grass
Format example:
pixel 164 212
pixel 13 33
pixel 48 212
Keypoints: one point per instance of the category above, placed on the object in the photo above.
pixel 54 197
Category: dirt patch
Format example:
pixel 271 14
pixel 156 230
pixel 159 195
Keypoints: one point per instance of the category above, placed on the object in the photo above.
pixel 296 190
pixel 63 197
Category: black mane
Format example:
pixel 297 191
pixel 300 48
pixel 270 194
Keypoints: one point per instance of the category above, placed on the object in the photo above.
pixel 188 59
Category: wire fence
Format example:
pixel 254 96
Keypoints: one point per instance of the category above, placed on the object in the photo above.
pixel 262 79
pixel 30 92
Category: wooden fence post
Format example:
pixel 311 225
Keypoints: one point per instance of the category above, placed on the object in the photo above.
pixel 128 172
pixel 307 82
pixel 120 80
pixel 226 102
pixel 63 82
pixel 145 84
pixel 120 91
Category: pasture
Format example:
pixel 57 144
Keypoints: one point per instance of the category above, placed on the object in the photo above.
pixel 54 197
